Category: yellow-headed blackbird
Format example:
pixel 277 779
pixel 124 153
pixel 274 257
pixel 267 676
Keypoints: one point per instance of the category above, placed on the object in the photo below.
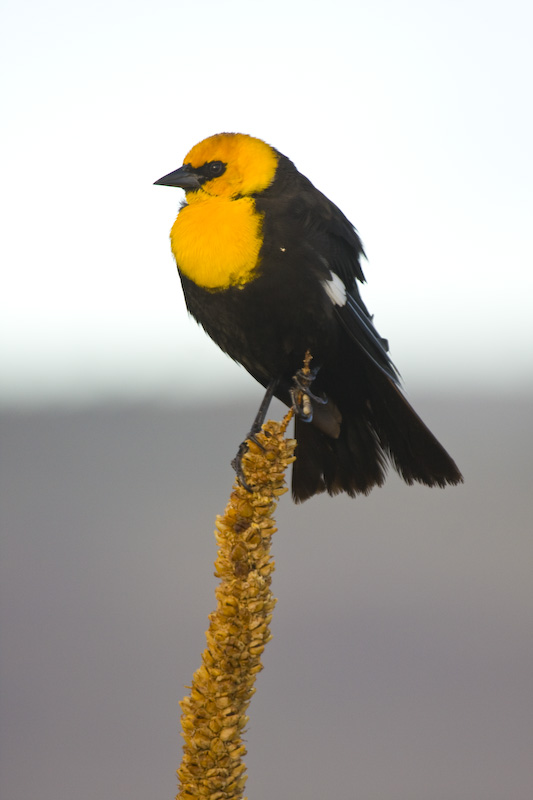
pixel 269 267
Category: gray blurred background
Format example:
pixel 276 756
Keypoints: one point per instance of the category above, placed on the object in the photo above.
pixel 401 663
pixel 401 666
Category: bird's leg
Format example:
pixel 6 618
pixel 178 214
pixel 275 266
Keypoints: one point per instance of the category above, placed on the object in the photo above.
pixel 263 408
pixel 301 395
pixel 254 430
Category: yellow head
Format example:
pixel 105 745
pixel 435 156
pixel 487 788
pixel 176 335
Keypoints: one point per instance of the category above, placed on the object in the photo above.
pixel 225 165
pixel 249 164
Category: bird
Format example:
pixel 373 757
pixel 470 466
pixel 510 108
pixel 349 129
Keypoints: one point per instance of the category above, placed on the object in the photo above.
pixel 270 268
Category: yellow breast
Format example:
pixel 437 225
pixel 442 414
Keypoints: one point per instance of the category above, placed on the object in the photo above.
pixel 216 240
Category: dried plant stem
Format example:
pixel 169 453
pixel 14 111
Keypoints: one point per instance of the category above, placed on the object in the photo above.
pixel 214 714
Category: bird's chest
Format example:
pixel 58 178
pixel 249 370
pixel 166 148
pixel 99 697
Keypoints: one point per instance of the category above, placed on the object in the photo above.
pixel 216 241
pixel 268 323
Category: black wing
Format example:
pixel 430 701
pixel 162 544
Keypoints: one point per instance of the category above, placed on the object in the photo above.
pixel 339 245
pixel 293 202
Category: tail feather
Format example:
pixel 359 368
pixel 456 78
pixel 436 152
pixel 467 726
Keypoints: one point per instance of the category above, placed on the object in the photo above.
pixel 384 429
pixel 414 451
pixel 353 463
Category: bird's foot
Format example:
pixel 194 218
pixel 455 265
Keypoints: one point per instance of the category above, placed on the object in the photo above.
pixel 237 465
pixel 243 448
pixel 301 395
pixel 252 436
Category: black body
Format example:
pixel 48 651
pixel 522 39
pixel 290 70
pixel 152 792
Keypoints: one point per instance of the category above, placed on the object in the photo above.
pixel 270 323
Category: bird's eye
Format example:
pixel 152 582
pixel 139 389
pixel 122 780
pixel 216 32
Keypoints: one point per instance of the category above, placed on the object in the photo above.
pixel 215 168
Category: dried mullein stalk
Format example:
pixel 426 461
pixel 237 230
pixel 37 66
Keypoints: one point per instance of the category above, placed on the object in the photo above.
pixel 214 714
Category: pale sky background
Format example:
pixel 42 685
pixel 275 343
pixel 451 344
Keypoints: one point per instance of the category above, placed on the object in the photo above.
pixel 416 118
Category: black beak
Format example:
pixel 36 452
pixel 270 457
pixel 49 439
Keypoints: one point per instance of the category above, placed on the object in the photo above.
pixel 184 178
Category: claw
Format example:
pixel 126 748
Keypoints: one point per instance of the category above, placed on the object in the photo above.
pixel 237 465
pixel 301 395
pixel 237 461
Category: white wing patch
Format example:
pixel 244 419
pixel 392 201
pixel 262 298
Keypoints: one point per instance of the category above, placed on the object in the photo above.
pixel 335 289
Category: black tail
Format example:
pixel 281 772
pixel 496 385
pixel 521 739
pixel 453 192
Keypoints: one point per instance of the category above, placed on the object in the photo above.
pixel 375 431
